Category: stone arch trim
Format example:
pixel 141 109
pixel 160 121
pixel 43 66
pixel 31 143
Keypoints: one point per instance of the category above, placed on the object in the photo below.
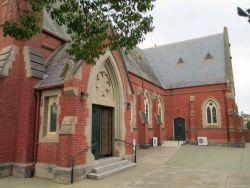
pixel 159 98
pixel 107 65
pixel 204 113
pixel 146 94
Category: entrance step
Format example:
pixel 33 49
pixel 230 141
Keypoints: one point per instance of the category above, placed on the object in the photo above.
pixel 107 160
pixel 109 166
pixel 172 143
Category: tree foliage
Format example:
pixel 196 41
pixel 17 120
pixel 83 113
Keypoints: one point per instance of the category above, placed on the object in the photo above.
pixel 88 22
pixel 248 124
pixel 244 13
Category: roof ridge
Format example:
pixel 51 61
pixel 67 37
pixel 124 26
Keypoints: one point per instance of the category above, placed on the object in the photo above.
pixel 58 49
pixel 183 41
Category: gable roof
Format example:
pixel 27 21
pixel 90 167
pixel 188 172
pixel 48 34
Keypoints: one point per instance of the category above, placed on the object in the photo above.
pixel 54 68
pixel 137 63
pixel 51 26
pixel 195 70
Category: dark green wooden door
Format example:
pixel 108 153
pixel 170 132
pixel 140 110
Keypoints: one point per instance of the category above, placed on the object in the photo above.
pixel 101 131
pixel 179 129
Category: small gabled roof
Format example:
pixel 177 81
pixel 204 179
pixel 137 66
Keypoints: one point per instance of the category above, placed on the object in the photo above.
pixel 193 72
pixel 54 68
pixel 137 63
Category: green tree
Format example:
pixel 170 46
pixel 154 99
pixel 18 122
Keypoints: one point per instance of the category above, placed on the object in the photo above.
pixel 244 13
pixel 248 124
pixel 87 23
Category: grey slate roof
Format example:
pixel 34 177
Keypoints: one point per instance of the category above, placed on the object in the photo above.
pixel 36 62
pixel 5 54
pixel 51 26
pixel 138 64
pixel 195 69
pixel 54 67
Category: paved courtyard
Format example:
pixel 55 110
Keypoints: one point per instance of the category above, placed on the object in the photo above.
pixel 186 167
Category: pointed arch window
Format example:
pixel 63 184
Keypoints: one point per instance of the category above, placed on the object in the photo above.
pixel 53 117
pixel 211 113
pixel 160 111
pixel 146 107
pixel 50 108
pixel 51 113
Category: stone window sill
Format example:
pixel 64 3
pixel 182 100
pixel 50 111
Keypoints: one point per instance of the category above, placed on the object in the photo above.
pixel 50 138
pixel 214 126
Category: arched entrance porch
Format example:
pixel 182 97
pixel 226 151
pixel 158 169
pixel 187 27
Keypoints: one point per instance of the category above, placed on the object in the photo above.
pixel 106 109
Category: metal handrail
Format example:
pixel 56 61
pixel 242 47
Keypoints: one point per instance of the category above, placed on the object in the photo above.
pixel 73 157
pixel 133 146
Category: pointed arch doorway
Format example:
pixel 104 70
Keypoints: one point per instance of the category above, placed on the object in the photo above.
pixel 106 109
pixel 179 129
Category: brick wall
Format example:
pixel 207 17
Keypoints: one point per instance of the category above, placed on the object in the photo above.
pixel 18 102
pixel 143 133
pixel 246 135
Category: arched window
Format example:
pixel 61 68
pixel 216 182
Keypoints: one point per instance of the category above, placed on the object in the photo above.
pixel 51 114
pixel 160 111
pixel 146 107
pixel 211 113
pixel 50 109
pixel 53 117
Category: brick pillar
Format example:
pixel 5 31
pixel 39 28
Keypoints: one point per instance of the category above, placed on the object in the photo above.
pixel 192 130
pixel 230 116
pixel 145 140
pixel 139 119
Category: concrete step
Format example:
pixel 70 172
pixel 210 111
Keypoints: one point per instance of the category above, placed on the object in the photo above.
pixel 110 166
pixel 172 143
pixel 106 173
pixel 106 161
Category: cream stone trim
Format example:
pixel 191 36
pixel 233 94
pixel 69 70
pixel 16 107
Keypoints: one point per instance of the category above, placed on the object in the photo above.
pixel 44 135
pixel 204 113
pixel 191 98
pixel 27 61
pixel 229 95
pixel 108 63
pixel 148 99
pixel 71 90
pixel 133 113
pixel 11 59
pixel 68 125
pixel 161 104
pixel 69 72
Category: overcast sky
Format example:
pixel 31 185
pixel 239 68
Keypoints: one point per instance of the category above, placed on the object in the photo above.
pixel 177 20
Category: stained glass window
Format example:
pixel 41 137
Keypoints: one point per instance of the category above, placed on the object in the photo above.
pixel 53 117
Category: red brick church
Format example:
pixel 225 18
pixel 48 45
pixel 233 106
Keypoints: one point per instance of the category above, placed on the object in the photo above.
pixel 53 108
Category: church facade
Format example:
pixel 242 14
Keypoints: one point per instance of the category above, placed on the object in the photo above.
pixel 53 108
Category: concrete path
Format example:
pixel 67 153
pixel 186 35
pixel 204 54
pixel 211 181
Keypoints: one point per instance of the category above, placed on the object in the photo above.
pixel 185 167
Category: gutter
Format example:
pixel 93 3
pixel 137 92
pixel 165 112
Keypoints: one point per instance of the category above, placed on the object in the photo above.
pixel 36 135
pixel 126 70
